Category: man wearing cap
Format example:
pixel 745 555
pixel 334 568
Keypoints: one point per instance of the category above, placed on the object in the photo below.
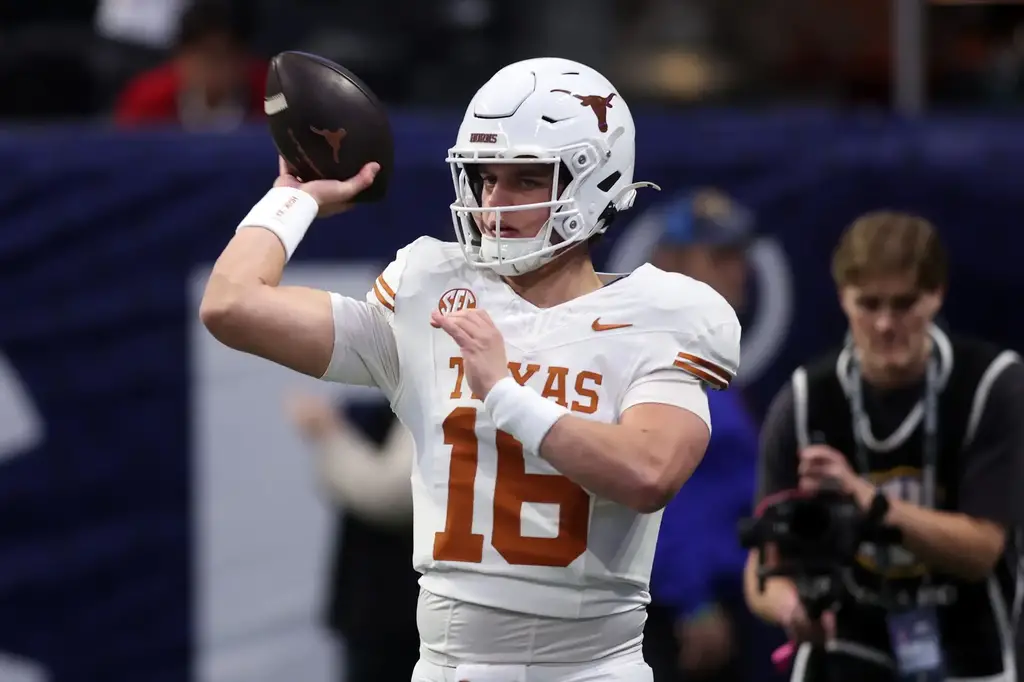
pixel 696 583
pixel 705 235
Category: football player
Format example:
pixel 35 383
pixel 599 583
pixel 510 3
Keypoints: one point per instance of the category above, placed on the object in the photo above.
pixel 555 411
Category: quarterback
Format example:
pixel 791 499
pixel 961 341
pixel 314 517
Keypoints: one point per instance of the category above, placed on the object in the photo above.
pixel 554 410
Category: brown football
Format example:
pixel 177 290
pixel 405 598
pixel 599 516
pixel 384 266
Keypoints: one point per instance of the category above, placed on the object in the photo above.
pixel 326 122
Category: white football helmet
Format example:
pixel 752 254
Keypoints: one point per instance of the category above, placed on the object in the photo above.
pixel 545 110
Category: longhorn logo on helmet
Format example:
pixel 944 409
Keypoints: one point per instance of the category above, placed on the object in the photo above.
pixel 598 104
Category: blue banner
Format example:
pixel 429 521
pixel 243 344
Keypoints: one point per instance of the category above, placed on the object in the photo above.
pixel 157 522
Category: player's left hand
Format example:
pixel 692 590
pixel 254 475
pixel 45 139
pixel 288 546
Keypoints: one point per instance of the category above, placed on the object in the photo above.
pixel 819 463
pixel 482 346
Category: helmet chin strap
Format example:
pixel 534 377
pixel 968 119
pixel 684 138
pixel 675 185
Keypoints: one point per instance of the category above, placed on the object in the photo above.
pixel 494 252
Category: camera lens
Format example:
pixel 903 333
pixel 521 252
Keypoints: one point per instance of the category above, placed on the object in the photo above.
pixel 810 522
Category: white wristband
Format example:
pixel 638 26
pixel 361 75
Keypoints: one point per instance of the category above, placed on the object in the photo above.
pixel 285 211
pixel 522 412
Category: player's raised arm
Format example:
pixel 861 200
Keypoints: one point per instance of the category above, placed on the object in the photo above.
pixel 300 328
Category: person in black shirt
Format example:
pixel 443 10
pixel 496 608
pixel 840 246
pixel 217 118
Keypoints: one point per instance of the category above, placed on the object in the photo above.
pixel 935 425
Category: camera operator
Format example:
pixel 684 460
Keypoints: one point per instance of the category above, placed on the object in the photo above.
pixel 925 430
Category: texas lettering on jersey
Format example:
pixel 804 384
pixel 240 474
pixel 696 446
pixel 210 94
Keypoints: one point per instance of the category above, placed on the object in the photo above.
pixel 576 391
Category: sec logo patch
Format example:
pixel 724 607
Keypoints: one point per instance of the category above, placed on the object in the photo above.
pixel 456 299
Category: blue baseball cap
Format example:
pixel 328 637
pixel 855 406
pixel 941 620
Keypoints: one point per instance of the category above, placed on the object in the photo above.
pixel 706 217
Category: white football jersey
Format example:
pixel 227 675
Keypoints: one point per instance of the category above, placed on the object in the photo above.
pixel 494 525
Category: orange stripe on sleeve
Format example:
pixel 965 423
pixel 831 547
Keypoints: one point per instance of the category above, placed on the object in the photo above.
pixel 380 297
pixel 715 375
pixel 385 288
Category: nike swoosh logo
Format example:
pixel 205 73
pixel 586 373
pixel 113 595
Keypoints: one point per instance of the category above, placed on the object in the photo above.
pixel 598 327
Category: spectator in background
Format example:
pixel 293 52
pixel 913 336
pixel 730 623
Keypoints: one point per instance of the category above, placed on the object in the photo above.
pixel 924 428
pixel 211 82
pixel 372 607
pixel 693 629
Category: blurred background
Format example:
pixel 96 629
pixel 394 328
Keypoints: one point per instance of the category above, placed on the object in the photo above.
pixel 166 516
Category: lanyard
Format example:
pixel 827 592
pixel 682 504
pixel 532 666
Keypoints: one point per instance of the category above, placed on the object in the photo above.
pixel 861 424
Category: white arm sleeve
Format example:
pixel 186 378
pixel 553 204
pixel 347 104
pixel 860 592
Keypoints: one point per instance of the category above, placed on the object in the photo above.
pixel 669 387
pixel 365 349
pixel 375 485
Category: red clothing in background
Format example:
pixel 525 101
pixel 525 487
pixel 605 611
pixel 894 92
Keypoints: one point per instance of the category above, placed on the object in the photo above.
pixel 153 96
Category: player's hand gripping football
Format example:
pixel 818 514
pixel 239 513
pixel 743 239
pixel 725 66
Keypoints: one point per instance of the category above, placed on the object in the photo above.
pixel 333 196
pixel 482 346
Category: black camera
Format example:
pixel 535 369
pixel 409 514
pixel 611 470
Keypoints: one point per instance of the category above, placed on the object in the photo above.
pixel 814 539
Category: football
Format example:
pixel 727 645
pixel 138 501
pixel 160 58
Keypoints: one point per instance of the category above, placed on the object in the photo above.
pixel 326 123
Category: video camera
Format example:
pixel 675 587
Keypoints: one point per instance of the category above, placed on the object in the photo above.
pixel 814 539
